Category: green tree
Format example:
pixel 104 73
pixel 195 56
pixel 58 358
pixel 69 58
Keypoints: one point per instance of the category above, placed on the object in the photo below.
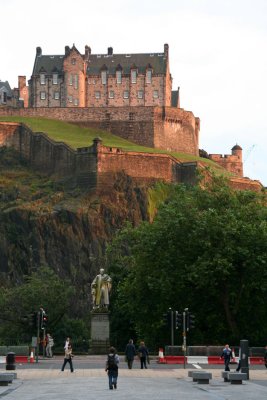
pixel 42 288
pixel 206 250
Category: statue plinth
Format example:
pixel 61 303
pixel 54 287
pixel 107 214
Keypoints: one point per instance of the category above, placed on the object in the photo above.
pixel 99 343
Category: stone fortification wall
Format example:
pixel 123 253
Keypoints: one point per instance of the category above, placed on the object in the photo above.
pixel 166 128
pixel 230 162
pixel 94 165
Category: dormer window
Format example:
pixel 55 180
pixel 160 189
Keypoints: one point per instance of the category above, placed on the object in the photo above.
pixel 104 77
pixel 133 76
pixel 148 75
pixel 42 79
pixel 55 79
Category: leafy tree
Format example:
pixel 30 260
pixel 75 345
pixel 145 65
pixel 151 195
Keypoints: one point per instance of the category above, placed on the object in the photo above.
pixel 206 250
pixel 42 288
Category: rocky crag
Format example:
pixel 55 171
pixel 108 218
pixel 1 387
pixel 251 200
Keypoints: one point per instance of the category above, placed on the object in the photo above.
pixel 44 223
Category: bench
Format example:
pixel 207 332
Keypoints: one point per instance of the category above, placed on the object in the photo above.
pixel 6 378
pixel 236 378
pixel 201 376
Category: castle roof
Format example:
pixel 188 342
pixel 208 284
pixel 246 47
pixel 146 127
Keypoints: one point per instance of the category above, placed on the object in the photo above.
pixel 157 61
pixel 48 64
pixel 5 87
pixel 237 147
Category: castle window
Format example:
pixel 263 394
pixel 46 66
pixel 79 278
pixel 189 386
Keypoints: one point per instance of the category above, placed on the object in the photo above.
pixel 140 94
pixel 42 95
pixel 126 94
pixel 156 94
pixel 104 77
pixel 76 102
pixel 149 76
pixel 118 76
pixel 56 95
pixel 111 94
pixel 55 79
pixel 97 95
pixel 73 61
pixel 4 97
pixel 42 79
pixel 133 75
pixel 70 80
pixel 70 99
pixel 75 81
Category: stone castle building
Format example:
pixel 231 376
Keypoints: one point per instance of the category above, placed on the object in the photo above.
pixel 129 95
pixel 101 80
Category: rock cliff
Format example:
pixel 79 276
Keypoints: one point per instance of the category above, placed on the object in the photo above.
pixel 44 223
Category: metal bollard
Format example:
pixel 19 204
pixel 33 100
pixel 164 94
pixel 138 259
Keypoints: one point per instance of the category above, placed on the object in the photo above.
pixel 10 361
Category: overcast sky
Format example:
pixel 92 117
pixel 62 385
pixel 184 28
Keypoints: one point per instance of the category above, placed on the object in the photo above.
pixel 217 52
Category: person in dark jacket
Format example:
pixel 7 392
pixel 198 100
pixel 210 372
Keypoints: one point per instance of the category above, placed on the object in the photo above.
pixel 227 356
pixel 112 368
pixel 143 355
pixel 68 358
pixel 130 352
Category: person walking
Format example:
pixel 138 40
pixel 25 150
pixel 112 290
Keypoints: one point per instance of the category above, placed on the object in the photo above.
pixel 68 358
pixel 143 355
pixel 227 356
pixel 67 342
pixel 49 345
pixel 112 368
pixel 130 352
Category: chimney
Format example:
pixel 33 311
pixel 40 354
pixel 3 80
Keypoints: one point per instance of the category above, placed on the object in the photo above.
pixel 178 97
pixel 38 51
pixel 110 51
pixel 67 50
pixel 87 51
pixel 22 82
pixel 166 50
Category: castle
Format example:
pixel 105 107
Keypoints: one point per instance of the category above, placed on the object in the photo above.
pixel 129 95
pixel 101 80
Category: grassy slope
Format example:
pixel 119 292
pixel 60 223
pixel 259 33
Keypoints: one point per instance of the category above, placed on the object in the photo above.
pixel 76 136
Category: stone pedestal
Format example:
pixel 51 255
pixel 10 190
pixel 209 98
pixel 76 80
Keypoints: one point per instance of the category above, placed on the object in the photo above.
pixel 99 333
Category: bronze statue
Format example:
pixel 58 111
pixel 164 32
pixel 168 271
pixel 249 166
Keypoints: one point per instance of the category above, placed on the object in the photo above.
pixel 100 289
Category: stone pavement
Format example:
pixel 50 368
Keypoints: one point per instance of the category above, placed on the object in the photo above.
pixel 160 384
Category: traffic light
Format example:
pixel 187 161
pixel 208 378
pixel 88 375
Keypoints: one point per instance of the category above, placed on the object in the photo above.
pixel 44 319
pixel 190 321
pixel 178 320
pixel 167 319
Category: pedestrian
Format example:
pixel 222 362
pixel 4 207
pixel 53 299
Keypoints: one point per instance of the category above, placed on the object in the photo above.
pixel 67 342
pixel 227 356
pixel 265 356
pixel 143 355
pixel 130 352
pixel 68 358
pixel 49 345
pixel 112 368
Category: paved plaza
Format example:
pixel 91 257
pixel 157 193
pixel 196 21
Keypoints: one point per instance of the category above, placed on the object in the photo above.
pixel 153 384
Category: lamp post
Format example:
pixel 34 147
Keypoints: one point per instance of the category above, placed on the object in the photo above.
pixel 184 334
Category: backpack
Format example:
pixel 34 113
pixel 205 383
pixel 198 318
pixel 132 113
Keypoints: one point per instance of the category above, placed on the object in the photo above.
pixel 111 363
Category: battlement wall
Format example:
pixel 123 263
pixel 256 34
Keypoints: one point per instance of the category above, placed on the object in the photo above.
pixel 166 128
pixel 94 165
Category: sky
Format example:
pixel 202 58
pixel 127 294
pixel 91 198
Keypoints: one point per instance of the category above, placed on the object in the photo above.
pixel 217 51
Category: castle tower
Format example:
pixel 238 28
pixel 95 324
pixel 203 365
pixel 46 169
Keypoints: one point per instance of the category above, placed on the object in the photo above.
pixel 237 151
pixel 237 155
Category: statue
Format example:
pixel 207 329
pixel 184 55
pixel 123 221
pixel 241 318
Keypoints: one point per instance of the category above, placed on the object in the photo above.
pixel 100 289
